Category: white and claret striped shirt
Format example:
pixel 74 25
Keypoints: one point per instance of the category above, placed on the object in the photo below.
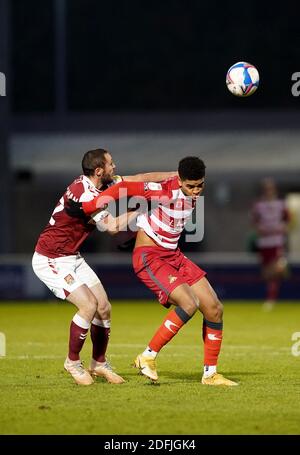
pixel 271 218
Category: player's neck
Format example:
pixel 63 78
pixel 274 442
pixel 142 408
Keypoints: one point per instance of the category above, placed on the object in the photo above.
pixel 96 181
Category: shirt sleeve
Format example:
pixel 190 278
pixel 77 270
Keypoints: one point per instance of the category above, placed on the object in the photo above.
pixel 149 190
pixel 155 190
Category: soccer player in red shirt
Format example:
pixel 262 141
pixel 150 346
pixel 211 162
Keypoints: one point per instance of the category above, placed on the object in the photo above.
pixel 160 264
pixel 58 263
pixel 271 219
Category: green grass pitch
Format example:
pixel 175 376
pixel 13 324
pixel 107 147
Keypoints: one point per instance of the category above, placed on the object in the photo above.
pixel 38 397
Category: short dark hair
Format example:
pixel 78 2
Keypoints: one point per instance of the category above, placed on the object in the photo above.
pixel 93 159
pixel 191 168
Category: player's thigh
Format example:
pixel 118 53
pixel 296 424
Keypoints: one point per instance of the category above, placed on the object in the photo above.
pixel 268 271
pixel 269 258
pixel 276 269
pixel 83 298
pixel 90 278
pixel 209 304
pixel 58 274
pixel 160 277
pixel 85 273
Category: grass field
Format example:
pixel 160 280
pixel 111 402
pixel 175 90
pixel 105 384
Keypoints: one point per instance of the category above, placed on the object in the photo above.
pixel 38 397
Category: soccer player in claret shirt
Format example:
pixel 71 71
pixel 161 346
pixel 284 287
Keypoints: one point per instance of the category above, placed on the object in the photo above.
pixel 271 221
pixel 160 264
pixel 58 263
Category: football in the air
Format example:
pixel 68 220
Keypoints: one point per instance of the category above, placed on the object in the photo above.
pixel 242 79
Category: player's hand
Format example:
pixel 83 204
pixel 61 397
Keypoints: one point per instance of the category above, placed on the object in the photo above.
pixel 74 209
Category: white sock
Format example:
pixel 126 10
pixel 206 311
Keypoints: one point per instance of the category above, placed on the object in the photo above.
pixel 101 323
pixel 149 353
pixel 209 370
pixel 78 320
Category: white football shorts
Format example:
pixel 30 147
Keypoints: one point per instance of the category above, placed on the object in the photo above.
pixel 64 274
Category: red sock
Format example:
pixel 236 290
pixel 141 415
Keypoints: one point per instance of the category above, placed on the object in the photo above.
pixel 273 289
pixel 100 331
pixel 212 338
pixel 171 325
pixel 78 333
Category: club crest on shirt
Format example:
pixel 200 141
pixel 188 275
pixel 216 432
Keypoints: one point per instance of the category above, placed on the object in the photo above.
pixel 69 279
pixel 160 296
pixel 172 278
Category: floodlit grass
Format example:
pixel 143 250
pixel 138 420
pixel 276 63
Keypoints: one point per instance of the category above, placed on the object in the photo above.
pixel 38 397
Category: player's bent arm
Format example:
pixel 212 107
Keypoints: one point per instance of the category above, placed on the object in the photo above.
pixel 114 225
pixel 150 177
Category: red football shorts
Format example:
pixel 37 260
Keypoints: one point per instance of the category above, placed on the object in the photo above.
pixel 162 270
pixel 269 255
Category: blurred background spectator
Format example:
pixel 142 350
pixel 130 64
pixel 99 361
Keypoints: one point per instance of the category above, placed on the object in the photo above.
pixel 271 219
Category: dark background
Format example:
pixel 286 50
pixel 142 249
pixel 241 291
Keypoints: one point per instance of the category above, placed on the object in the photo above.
pixel 170 55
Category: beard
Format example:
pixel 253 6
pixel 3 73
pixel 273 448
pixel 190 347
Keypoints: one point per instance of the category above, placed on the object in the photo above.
pixel 106 179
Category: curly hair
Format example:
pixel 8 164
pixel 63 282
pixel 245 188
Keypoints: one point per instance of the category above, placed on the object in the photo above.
pixel 191 168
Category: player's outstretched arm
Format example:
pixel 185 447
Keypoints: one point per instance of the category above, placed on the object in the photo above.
pixel 122 189
pixel 148 190
pixel 150 177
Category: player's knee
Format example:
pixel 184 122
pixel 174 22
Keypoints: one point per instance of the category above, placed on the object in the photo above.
pixel 90 308
pixel 190 305
pixel 215 311
pixel 104 309
pixel 219 309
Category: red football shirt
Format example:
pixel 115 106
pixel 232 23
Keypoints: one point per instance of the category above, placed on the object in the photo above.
pixel 64 234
